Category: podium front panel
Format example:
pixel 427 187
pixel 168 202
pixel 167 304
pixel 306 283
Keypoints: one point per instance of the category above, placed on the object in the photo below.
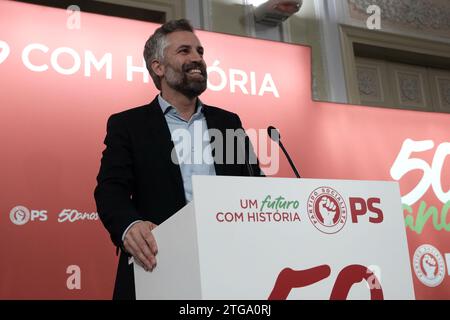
pixel 277 238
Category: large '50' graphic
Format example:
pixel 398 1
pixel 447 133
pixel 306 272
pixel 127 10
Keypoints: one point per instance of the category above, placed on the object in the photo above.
pixel 431 175
pixel 289 279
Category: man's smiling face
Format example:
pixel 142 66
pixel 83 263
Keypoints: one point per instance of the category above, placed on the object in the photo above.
pixel 183 66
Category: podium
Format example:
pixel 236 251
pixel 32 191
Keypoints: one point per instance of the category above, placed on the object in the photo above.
pixel 255 238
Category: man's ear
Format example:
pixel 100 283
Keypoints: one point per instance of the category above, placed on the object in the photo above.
pixel 157 67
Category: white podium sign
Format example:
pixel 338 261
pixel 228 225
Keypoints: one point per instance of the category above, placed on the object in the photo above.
pixel 276 238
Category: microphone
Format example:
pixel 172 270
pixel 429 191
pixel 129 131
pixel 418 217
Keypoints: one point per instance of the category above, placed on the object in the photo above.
pixel 274 134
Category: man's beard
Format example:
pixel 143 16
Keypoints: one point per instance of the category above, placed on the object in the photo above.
pixel 180 82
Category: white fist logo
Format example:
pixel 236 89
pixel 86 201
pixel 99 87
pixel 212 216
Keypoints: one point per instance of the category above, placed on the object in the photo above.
pixel 328 211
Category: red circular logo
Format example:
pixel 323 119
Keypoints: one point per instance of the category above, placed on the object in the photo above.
pixel 327 210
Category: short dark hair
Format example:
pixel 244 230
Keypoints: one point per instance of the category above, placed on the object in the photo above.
pixel 156 44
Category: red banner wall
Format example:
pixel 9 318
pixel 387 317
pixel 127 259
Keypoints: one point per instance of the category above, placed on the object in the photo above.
pixel 54 105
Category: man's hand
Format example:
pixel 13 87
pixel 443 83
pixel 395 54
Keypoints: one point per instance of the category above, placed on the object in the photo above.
pixel 140 243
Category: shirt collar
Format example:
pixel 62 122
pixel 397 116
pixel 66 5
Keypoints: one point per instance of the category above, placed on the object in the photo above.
pixel 166 106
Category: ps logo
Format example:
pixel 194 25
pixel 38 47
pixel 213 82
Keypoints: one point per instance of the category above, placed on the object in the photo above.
pixel 4 51
pixel 360 207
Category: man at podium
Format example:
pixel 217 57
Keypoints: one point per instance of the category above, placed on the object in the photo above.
pixel 144 177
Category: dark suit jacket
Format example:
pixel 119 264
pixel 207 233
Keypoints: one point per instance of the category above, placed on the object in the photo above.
pixel 139 181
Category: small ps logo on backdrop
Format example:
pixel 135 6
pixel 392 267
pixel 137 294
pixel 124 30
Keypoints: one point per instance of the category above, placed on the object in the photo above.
pixel 327 210
pixel 19 215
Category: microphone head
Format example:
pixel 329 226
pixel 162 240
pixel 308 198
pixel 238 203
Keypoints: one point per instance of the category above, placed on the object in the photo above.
pixel 274 134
